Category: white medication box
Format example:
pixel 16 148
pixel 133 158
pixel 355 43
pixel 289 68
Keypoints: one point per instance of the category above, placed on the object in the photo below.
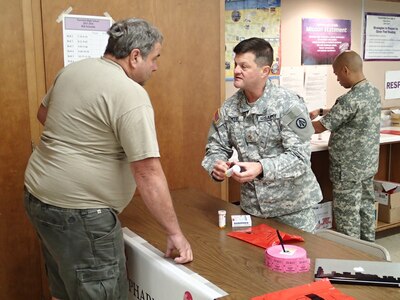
pixel 241 221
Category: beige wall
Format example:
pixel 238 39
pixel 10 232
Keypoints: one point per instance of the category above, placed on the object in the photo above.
pixel 294 11
pixel 375 70
pixel 292 14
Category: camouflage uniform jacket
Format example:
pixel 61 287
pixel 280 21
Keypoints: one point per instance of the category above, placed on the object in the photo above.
pixel 276 132
pixel 354 122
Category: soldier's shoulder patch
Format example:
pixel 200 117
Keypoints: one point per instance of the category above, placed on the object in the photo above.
pixel 218 118
pixel 301 123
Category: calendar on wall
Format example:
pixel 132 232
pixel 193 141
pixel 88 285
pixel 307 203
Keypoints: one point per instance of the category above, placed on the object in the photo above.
pixel 84 36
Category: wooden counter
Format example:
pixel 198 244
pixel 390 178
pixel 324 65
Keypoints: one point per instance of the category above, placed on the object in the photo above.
pixel 233 265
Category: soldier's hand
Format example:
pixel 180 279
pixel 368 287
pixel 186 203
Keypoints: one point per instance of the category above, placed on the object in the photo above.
pixel 314 114
pixel 218 172
pixel 249 171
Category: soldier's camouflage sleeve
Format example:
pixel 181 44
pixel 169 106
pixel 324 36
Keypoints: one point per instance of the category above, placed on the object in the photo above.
pixel 293 160
pixel 339 114
pixel 218 146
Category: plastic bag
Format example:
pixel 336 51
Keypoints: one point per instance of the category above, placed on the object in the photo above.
pixel 319 290
pixel 263 236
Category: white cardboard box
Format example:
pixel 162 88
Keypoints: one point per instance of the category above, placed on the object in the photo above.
pixel 387 193
pixel 241 221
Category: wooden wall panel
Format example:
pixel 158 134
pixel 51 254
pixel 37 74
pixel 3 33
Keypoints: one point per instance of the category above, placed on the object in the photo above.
pixel 36 85
pixel 384 161
pixel 320 167
pixel 395 163
pixel 19 253
pixel 189 86
pixel 185 90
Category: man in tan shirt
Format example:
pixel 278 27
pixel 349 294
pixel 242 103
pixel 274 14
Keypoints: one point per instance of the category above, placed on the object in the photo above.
pixel 98 144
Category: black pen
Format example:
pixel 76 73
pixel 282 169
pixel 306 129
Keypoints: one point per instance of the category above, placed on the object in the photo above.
pixel 280 240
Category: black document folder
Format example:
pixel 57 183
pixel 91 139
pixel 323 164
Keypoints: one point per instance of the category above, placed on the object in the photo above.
pixel 381 273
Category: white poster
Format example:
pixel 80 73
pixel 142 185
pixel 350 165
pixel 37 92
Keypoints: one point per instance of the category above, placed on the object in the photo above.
pixel 292 78
pixel 392 85
pixel 151 276
pixel 316 78
pixel 382 36
pixel 84 36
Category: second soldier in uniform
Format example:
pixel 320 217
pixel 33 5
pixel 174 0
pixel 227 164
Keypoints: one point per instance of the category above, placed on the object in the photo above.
pixel 354 122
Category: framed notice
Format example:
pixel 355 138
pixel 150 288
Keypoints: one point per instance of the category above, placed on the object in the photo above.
pixel 382 36
pixel 323 40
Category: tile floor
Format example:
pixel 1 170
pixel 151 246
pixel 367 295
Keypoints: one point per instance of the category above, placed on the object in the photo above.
pixel 390 239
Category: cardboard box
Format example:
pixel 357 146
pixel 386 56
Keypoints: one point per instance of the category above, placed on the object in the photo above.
pixel 376 213
pixel 388 215
pixel 323 211
pixel 395 119
pixel 388 195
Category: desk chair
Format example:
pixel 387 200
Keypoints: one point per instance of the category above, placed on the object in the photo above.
pixel 352 242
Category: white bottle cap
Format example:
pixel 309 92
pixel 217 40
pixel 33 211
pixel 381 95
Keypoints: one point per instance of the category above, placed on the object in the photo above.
pixel 234 169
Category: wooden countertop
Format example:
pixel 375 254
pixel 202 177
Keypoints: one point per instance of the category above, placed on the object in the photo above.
pixel 233 265
pixel 319 141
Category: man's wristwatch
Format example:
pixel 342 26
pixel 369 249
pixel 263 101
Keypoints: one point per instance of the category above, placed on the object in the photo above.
pixel 321 112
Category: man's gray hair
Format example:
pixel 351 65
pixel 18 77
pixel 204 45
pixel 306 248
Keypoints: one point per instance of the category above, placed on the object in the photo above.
pixel 129 34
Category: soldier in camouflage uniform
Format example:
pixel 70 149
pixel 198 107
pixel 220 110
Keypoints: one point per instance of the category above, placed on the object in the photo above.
pixel 270 128
pixel 354 122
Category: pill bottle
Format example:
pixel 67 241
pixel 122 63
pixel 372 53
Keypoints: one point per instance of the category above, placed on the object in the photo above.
pixel 230 171
pixel 222 218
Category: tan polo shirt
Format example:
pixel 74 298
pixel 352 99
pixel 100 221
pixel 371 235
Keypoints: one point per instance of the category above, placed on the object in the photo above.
pixel 98 121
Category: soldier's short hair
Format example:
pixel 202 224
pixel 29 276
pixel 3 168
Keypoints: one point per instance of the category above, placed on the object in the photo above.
pixel 261 48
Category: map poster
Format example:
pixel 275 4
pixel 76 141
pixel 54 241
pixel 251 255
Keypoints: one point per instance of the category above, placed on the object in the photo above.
pixel 323 40
pixel 251 18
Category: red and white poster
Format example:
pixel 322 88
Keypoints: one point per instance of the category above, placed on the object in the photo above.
pixel 323 40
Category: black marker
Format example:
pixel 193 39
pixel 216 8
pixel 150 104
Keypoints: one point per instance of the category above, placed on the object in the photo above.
pixel 280 240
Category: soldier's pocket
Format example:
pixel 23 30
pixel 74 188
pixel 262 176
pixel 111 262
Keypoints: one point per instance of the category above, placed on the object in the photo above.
pixel 269 135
